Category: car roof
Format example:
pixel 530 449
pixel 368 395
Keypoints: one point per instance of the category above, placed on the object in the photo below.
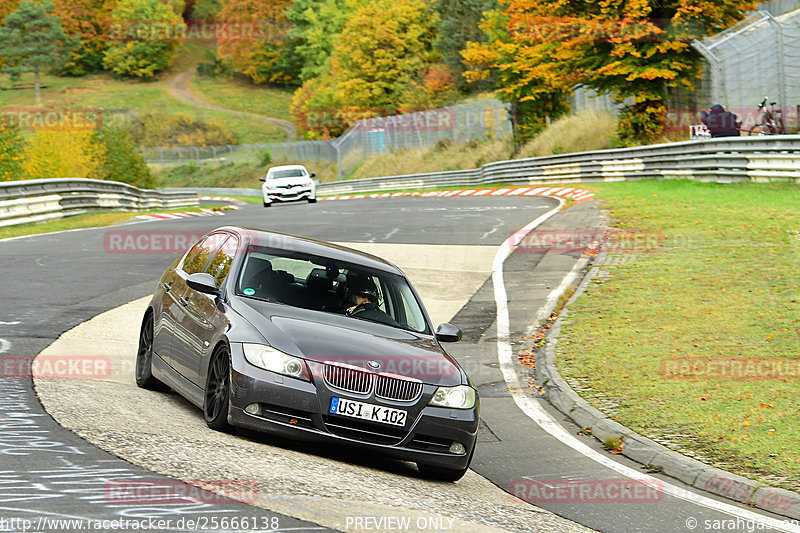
pixel 305 245
pixel 289 167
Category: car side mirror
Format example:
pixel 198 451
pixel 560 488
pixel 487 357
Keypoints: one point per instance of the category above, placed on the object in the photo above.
pixel 262 179
pixel 203 282
pixel 313 175
pixel 448 333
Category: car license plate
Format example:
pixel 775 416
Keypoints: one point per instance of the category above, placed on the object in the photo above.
pixel 368 411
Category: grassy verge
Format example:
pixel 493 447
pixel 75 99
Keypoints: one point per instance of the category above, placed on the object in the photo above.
pixel 241 95
pixel 724 286
pixel 117 96
pixel 88 220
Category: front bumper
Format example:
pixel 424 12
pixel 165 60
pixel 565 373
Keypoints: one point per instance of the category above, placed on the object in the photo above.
pixel 298 410
pixel 288 194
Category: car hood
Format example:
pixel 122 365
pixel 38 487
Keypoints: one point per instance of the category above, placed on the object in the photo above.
pixel 330 338
pixel 287 182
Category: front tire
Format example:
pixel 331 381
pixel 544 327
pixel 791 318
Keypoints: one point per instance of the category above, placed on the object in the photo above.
pixel 312 200
pixel 218 391
pixel 144 358
pixel 267 204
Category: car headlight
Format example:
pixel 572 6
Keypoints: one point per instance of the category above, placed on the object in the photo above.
pixel 461 397
pixel 269 358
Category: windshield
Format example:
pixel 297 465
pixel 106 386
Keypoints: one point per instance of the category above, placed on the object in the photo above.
pixel 290 173
pixel 325 285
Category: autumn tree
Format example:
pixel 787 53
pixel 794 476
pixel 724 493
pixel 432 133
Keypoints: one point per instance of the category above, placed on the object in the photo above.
pixel 630 50
pixel 385 46
pixel 6 7
pixel 90 19
pixel 526 70
pixel 32 40
pixel 264 55
pixel 144 35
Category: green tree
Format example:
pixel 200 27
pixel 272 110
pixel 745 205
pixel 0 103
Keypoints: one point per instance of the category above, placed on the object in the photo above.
pixel 144 35
pixel 32 40
pixel 315 26
pixel 459 23
pixel 119 160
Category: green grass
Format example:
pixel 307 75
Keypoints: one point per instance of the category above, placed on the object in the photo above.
pixel 88 220
pixel 241 95
pixel 116 96
pixel 723 285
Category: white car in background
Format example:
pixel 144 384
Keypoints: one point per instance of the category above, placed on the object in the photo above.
pixel 288 183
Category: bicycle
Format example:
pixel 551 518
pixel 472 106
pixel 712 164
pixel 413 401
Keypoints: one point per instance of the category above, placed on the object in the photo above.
pixel 771 121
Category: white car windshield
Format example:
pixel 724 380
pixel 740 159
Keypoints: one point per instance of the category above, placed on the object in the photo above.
pixel 289 173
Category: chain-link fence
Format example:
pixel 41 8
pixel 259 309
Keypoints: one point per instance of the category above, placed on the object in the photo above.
pixel 758 57
pixel 457 124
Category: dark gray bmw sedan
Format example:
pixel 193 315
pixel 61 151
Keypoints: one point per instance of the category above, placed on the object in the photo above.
pixel 309 340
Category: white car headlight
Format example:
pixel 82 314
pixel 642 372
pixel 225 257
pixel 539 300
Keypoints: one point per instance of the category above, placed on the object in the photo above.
pixel 269 358
pixel 461 397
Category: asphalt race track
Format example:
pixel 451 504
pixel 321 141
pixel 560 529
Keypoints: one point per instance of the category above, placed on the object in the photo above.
pixel 53 283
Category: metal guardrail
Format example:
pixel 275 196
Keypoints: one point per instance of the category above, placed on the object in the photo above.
pixel 768 158
pixel 38 200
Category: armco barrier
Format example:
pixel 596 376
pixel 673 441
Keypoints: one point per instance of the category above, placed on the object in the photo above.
pixel 37 200
pixel 766 158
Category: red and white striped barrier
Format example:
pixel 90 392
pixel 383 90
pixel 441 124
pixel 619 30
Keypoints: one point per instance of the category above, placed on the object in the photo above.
pixel 578 195
pixel 186 214
pixel 223 199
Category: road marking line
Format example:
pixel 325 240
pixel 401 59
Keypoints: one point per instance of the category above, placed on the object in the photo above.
pixel 535 412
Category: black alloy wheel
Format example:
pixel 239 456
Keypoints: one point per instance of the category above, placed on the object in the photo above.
pixel 218 389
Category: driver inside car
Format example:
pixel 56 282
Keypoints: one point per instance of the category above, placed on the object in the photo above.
pixel 364 294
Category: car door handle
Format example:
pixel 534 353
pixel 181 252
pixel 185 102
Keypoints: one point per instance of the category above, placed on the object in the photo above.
pixel 184 301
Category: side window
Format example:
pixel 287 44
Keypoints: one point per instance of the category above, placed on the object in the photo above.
pixel 221 264
pixel 199 255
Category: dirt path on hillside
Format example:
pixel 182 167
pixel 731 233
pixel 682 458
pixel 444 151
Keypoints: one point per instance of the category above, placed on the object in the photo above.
pixel 178 86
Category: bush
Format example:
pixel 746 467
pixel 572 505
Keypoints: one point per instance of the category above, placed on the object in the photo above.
pixel 61 154
pixel 266 159
pixel 642 122
pixel 157 128
pixel 11 154
pixel 120 161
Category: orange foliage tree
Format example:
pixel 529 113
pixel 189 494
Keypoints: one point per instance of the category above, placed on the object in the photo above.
pixel 260 50
pixel 629 49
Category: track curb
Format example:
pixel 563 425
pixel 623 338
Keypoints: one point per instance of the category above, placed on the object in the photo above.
pixel 640 449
